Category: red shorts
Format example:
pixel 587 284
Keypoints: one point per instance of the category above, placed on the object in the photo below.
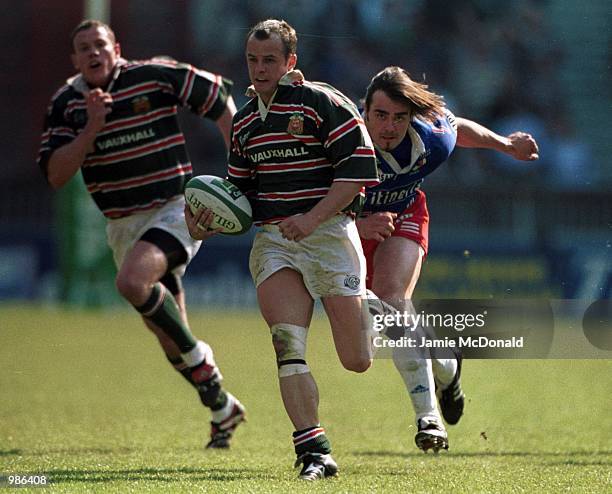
pixel 412 223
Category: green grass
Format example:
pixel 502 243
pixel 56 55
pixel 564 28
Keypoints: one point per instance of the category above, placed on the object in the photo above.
pixel 88 399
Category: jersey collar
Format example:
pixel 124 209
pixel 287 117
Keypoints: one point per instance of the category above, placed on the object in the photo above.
pixel 417 149
pixel 79 84
pixel 288 79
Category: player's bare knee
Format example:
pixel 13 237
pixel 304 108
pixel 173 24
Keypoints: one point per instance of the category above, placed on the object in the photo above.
pixel 390 294
pixel 124 284
pixel 356 363
pixel 131 288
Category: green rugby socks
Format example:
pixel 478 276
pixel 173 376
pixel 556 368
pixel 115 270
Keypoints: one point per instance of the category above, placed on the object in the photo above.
pixel 311 440
pixel 162 309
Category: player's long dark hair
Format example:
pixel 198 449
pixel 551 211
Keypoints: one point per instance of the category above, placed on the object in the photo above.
pixel 398 85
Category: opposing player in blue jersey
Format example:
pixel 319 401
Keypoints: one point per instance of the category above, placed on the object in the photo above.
pixel 414 133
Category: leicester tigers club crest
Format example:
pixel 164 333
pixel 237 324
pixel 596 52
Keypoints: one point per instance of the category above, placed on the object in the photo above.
pixel 141 104
pixel 296 124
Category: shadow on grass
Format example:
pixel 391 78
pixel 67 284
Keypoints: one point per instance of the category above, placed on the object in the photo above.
pixel 155 474
pixel 99 451
pixel 82 451
pixel 580 463
pixel 11 452
pixel 501 454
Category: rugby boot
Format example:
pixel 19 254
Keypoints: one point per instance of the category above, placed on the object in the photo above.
pixel 316 466
pixel 431 435
pixel 452 398
pixel 221 432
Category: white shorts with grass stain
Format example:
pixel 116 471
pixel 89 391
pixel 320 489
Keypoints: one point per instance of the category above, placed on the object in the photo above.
pixel 330 260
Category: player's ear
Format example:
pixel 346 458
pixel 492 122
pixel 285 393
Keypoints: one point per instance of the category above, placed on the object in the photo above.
pixel 292 61
pixel 73 59
pixel 117 49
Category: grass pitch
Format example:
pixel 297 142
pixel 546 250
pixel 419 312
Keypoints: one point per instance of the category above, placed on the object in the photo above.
pixel 88 400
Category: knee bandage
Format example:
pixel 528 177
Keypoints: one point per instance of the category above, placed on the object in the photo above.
pixel 290 346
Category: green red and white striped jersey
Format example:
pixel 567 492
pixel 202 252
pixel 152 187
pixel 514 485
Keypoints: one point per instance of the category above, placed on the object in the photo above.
pixel 286 156
pixel 139 161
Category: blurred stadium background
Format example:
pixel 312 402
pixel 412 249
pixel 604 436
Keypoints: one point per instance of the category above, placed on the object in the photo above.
pixel 497 227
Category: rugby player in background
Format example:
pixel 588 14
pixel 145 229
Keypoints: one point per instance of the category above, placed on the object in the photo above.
pixel 413 134
pixel 116 122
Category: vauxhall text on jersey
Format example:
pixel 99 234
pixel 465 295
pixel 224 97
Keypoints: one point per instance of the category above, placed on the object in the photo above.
pixel 288 154
pixel 139 160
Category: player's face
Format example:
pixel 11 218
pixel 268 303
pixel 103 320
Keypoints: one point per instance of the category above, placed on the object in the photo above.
pixel 95 55
pixel 387 121
pixel 267 63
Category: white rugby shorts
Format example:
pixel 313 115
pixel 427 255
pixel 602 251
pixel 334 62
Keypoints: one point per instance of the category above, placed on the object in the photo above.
pixel 123 233
pixel 330 260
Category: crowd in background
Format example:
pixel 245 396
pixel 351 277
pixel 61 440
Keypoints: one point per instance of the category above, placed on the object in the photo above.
pixel 500 63
pixel 542 66
pixel 495 62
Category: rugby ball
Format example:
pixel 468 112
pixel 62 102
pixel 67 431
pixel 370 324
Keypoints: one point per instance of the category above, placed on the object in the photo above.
pixel 231 209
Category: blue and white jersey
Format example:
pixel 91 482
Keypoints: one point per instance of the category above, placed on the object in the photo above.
pixel 426 146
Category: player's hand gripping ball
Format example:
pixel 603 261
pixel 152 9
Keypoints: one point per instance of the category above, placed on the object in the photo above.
pixel 231 209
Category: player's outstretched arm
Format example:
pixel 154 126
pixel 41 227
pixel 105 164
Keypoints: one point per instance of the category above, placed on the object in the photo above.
pixel 224 122
pixel 66 160
pixel 519 145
